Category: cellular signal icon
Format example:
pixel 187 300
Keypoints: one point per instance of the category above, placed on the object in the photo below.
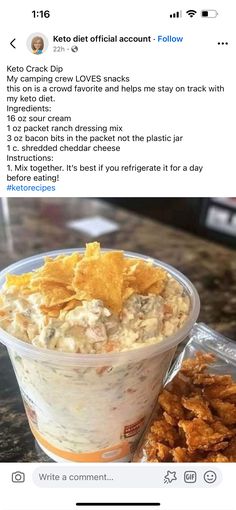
pixel 191 13
pixel 177 14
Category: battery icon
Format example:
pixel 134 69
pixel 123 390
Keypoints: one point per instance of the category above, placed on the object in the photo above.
pixel 212 13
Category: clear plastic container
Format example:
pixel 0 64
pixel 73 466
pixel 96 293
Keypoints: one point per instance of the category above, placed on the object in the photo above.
pixel 92 407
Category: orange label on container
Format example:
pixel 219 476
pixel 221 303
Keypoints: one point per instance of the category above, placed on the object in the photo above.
pixel 134 428
pixel 111 454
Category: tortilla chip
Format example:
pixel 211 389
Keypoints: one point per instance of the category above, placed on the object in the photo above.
pixel 158 453
pixel 172 421
pixel 198 406
pixel 73 303
pixel 209 379
pixel 163 432
pixel 19 280
pixel 180 454
pixel 108 276
pixel 159 286
pixel 202 436
pixel 58 270
pixel 225 410
pixel 55 294
pixel 180 385
pixel 192 366
pixel 92 250
pixel 145 277
pixel 101 278
pixel 52 311
pixel 217 457
pixel 230 451
pixel 127 292
pixel 171 403
pixel 219 391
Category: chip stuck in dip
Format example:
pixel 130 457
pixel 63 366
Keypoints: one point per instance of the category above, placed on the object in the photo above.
pixel 93 302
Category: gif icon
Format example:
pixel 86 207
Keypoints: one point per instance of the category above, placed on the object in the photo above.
pixel 190 476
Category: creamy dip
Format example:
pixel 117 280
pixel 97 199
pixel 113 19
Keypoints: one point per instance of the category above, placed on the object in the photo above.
pixel 93 328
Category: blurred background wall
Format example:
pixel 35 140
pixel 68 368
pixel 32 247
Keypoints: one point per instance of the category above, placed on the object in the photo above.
pixel 211 218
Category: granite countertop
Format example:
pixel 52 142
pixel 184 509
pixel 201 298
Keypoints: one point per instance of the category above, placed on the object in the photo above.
pixel 32 226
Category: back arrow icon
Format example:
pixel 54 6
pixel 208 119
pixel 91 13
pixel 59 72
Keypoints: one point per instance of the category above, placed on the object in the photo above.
pixel 11 43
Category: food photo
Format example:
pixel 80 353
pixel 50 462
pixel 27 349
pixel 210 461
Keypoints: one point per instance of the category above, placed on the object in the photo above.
pixel 117 336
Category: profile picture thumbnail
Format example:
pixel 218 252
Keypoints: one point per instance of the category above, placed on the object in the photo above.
pixel 37 43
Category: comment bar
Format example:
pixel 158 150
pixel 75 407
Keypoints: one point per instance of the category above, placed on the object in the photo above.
pixel 124 475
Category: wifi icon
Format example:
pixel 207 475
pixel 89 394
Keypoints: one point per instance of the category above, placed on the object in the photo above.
pixel 191 13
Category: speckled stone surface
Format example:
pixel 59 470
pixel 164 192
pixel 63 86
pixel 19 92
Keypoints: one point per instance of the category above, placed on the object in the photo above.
pixel 29 226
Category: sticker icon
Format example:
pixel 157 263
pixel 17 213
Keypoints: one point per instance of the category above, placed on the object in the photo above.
pixel 170 477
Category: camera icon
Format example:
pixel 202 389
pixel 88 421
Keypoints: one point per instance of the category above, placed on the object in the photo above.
pixel 18 477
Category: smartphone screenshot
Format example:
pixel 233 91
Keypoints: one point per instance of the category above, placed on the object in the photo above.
pixel 117 255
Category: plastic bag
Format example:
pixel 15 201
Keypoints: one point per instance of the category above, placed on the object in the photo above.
pixel 204 339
